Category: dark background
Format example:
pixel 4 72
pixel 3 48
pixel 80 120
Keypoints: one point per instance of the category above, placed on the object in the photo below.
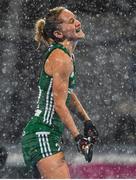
pixel 106 66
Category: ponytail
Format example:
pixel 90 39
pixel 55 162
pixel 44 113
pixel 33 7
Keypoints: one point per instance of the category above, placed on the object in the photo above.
pixel 39 35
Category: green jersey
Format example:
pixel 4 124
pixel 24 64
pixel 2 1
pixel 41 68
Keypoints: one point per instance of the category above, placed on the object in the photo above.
pixel 45 105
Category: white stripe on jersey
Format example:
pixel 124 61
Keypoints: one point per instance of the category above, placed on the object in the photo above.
pixel 47 101
pixel 38 111
pixel 51 110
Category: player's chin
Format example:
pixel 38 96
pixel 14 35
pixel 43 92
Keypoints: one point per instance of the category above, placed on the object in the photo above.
pixel 81 36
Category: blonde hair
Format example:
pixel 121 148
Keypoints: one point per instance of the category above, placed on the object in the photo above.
pixel 45 27
pixel 39 26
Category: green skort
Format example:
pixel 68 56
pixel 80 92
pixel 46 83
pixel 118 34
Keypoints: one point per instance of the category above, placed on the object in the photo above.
pixel 44 141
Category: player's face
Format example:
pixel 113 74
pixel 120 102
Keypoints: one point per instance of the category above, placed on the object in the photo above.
pixel 70 26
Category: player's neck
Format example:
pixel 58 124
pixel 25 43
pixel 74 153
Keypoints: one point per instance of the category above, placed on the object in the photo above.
pixel 69 45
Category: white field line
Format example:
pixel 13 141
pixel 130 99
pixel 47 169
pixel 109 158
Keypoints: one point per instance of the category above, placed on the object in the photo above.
pixel 16 159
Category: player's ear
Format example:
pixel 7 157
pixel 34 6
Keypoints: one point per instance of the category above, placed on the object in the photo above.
pixel 58 34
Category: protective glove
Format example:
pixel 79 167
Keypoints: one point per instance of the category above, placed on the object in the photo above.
pixel 84 147
pixel 90 132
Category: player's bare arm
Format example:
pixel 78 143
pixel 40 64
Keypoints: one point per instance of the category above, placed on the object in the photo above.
pixel 89 128
pixel 75 102
pixel 61 70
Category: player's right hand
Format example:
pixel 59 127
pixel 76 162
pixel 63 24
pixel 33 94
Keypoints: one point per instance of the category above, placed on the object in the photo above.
pixel 84 147
pixel 81 142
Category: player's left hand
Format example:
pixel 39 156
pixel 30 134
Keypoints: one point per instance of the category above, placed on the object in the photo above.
pixel 90 132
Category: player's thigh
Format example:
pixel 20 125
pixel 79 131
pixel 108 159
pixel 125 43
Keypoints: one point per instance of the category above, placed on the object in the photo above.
pixel 53 167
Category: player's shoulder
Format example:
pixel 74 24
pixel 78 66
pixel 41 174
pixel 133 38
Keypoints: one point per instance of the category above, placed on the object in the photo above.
pixel 60 56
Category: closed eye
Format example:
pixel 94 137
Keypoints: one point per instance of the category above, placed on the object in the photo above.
pixel 71 21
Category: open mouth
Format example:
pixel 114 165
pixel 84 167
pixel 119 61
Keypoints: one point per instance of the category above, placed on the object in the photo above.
pixel 78 30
